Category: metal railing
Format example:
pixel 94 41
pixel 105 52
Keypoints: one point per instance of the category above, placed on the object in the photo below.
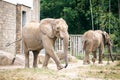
pixel 75 45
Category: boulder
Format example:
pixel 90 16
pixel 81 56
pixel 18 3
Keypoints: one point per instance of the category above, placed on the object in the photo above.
pixel 70 57
pixel 20 59
pixel 60 55
pixel 41 58
pixel 6 59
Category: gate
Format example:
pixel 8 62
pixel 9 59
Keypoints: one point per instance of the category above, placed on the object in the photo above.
pixel 75 45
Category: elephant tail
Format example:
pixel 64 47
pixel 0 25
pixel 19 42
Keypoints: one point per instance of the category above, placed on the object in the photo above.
pixel 111 54
pixel 13 60
pixel 8 44
pixel 84 44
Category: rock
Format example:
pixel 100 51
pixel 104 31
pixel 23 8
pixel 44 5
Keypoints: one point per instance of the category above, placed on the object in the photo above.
pixel 70 57
pixel 6 58
pixel 41 58
pixel 60 55
pixel 20 59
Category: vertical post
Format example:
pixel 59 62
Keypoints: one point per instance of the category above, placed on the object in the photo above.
pixel 109 14
pixel 72 44
pixel 91 15
pixel 19 48
pixel 119 10
pixel 109 27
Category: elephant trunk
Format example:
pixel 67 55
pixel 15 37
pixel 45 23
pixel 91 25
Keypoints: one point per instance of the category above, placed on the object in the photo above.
pixel 110 52
pixel 65 44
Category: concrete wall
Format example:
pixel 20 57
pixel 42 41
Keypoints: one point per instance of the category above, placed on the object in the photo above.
pixel 7 26
pixel 20 9
pixel 11 23
pixel 32 14
pixel 28 3
pixel 36 10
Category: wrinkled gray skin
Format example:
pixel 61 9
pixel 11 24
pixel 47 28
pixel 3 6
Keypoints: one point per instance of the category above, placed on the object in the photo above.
pixel 93 40
pixel 37 36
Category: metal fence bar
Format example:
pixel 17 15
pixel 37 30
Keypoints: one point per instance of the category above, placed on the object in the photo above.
pixel 75 45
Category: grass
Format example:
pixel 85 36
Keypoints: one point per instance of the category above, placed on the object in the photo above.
pixel 82 72
pixel 26 74
pixel 105 72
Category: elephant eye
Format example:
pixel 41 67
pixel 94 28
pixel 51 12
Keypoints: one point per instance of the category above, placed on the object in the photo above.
pixel 58 28
pixel 57 31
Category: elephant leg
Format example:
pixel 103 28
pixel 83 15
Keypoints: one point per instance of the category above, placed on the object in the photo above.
pixel 48 45
pixel 56 59
pixel 26 52
pixel 100 55
pixel 94 56
pixel 35 53
pixel 47 57
pixel 86 58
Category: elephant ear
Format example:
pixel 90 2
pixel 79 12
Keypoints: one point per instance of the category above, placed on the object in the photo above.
pixel 56 25
pixel 106 37
pixel 52 27
pixel 46 27
pixel 59 24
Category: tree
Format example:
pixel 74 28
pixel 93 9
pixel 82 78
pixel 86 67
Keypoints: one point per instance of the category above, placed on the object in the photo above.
pixel 78 16
pixel 72 11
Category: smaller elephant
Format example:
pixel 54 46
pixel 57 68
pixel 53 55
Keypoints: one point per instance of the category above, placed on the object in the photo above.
pixel 93 40
pixel 36 36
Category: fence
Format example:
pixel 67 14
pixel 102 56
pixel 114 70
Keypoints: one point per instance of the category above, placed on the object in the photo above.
pixel 75 45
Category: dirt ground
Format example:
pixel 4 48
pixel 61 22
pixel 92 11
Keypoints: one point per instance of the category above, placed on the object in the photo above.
pixel 75 71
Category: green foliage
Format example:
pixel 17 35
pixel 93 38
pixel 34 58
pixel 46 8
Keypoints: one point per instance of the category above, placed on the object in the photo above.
pixel 78 15
pixel 72 11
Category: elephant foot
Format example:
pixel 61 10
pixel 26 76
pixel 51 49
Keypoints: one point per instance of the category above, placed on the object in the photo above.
pixel 44 67
pixel 93 60
pixel 35 66
pixel 27 67
pixel 100 62
pixel 86 63
pixel 60 67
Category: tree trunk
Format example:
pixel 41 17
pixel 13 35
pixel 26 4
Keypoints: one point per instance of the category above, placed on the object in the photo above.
pixel 119 10
pixel 91 15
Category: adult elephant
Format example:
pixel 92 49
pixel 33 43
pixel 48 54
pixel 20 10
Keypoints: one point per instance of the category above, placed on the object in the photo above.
pixel 37 36
pixel 93 40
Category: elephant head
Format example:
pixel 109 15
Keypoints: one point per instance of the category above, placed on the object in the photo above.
pixel 57 28
pixel 107 41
